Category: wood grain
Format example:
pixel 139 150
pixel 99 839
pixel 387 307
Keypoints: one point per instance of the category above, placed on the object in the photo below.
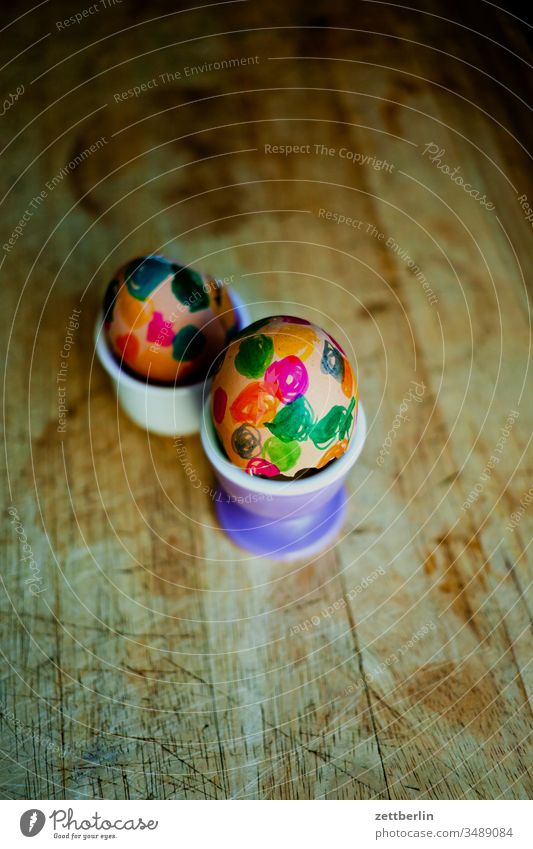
pixel 145 656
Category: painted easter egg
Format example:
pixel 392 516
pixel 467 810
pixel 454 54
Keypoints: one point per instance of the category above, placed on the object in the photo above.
pixel 165 321
pixel 284 398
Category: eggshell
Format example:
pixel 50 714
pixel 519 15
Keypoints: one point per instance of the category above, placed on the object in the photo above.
pixel 284 398
pixel 165 321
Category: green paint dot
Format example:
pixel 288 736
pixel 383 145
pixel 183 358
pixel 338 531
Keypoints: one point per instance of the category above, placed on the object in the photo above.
pixel 335 424
pixel 346 424
pixel 254 355
pixel 325 431
pixel 188 344
pixel 284 455
pixel 293 422
pixel 188 288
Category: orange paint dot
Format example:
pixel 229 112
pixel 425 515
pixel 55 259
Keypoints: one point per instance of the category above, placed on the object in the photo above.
pixel 256 404
pixel 296 340
pixel 158 364
pixel 332 453
pixel 133 312
pixel 347 380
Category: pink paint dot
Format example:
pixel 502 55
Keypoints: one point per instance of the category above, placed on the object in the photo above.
pixel 257 466
pixel 290 376
pixel 220 400
pixel 160 331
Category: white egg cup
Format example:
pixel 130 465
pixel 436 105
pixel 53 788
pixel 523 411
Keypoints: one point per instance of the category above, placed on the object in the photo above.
pixel 282 520
pixel 166 410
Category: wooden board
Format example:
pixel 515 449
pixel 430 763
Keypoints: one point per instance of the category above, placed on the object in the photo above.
pixel 144 656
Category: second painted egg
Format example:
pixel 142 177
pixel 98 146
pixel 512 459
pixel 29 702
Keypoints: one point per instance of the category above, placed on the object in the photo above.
pixel 165 321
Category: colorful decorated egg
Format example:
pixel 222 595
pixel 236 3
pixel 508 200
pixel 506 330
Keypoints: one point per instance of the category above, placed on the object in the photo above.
pixel 284 398
pixel 165 321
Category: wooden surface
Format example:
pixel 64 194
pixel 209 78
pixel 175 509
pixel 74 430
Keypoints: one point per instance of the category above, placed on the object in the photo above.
pixel 145 656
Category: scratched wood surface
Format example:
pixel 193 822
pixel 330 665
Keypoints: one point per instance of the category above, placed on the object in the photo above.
pixel 143 656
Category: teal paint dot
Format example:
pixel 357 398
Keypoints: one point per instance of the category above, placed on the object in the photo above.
pixel 332 362
pixel 188 344
pixel 144 275
pixel 284 455
pixel 188 288
pixel 293 422
pixel 254 355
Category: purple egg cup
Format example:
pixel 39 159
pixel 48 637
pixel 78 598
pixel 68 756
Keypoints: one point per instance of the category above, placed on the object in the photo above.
pixel 282 520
